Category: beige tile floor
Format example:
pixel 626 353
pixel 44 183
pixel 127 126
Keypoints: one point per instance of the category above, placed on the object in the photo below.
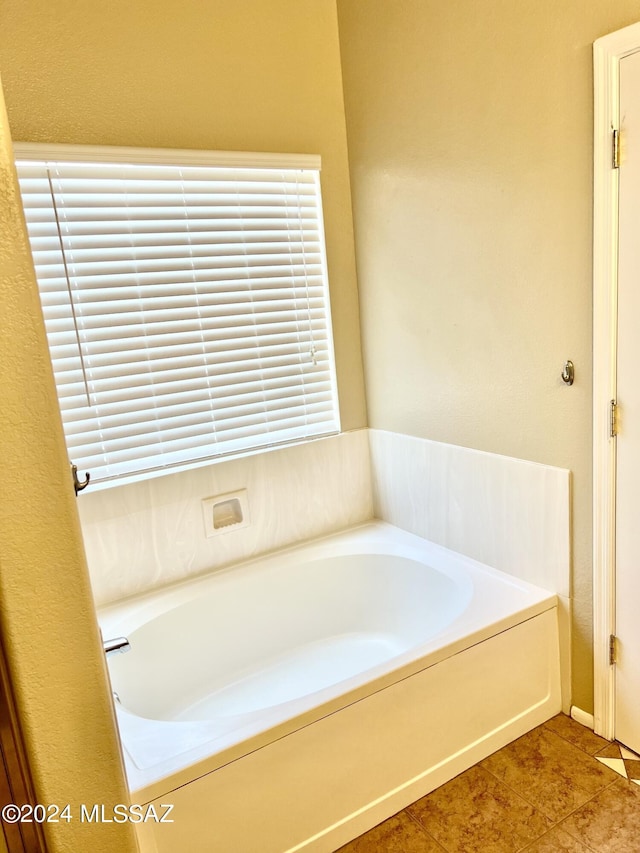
pixel 557 789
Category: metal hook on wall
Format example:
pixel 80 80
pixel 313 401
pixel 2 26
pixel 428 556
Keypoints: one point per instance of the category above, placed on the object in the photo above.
pixel 568 374
pixel 77 485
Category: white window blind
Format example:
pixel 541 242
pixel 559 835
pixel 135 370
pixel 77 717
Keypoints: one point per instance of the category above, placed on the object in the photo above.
pixel 186 303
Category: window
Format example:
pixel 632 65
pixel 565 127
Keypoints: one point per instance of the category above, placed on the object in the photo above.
pixel 186 302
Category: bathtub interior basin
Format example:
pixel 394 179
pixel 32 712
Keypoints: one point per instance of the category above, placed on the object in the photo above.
pixel 263 636
pixel 225 663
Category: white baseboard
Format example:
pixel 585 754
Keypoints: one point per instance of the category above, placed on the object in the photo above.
pixel 582 717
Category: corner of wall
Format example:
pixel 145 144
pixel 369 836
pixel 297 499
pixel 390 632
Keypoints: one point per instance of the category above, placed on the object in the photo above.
pixel 47 620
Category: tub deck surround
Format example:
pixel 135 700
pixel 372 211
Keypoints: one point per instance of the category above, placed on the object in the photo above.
pixel 505 512
pixel 323 649
pixel 508 513
pixel 145 535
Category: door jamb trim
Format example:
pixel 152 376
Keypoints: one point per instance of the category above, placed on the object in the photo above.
pixel 607 53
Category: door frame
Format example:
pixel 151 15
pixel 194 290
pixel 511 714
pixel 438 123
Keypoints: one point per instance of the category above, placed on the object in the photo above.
pixel 607 53
pixel 16 785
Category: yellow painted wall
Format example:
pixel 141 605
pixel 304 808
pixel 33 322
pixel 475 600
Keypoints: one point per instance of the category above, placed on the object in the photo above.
pixel 470 142
pixel 246 75
pixel 46 611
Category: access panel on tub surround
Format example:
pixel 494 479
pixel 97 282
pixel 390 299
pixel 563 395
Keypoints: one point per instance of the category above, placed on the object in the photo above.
pixel 152 533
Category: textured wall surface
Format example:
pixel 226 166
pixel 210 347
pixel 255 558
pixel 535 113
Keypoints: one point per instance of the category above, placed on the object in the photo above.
pixel 46 615
pixel 470 128
pixel 244 76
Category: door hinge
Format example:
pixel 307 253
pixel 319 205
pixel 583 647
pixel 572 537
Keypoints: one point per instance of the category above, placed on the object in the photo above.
pixel 612 649
pixel 615 150
pixel 613 419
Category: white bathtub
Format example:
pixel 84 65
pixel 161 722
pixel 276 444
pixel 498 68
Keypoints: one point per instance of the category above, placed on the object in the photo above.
pixel 371 664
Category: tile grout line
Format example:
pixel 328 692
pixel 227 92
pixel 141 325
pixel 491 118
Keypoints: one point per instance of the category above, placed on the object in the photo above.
pixel 558 823
pixel 596 754
pixel 554 822
pixel 575 838
pixel 556 826
pixel 420 824
pixel 444 848
pixel 592 755
pixel 533 805
pixel 513 791
pixel 528 802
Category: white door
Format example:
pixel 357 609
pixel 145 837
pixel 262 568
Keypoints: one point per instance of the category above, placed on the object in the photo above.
pixel 627 718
